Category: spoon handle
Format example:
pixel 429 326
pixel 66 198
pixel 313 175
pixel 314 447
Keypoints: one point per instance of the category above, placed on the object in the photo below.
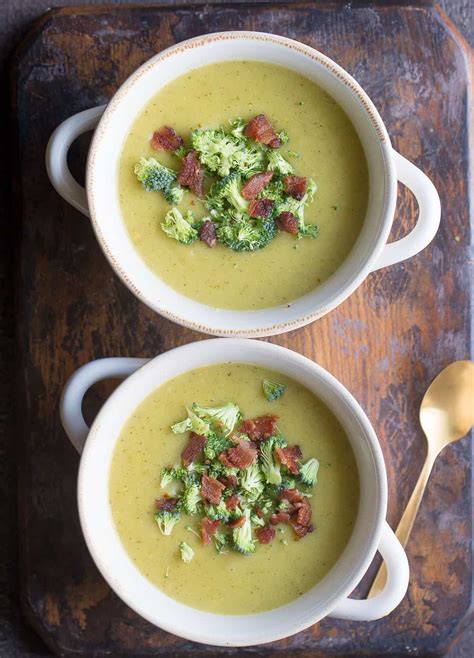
pixel 406 522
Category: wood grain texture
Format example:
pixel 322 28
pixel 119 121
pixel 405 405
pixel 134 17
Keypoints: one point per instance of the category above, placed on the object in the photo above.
pixel 386 343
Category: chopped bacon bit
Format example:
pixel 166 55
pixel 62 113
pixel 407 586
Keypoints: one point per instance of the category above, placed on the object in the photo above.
pixel 192 174
pixel 237 523
pixel 291 495
pixel 295 186
pixel 232 502
pixel 166 139
pixel 229 481
pixel 244 454
pixel 260 129
pixel 223 458
pixel 288 222
pixel 194 448
pixel 279 517
pixel 255 184
pixel 259 512
pixel 266 534
pixel 208 529
pixel 208 233
pixel 260 208
pixel 303 515
pixel 166 504
pixel 211 489
pixel 301 530
pixel 259 428
pixel 289 457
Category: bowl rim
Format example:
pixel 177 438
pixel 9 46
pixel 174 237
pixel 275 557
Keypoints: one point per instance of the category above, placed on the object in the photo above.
pixel 249 330
pixel 86 503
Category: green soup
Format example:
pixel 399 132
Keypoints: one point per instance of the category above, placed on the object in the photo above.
pixel 329 152
pixel 276 573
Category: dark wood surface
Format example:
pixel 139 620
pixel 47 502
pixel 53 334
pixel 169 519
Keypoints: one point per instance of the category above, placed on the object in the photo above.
pixel 386 343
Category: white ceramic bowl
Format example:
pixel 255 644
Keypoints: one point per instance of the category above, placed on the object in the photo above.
pixel 327 598
pixel 101 200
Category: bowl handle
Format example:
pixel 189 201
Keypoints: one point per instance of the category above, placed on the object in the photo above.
pixel 382 604
pixel 77 386
pixel 56 156
pixel 429 213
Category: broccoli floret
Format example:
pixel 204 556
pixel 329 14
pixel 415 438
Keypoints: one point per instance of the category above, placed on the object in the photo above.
pixel 223 418
pixel 181 151
pixel 221 152
pixel 186 551
pixel 192 423
pixel 155 177
pixel 167 477
pixel 216 149
pixel 273 390
pixel 217 470
pixel 284 505
pixel 216 443
pixel 166 521
pixel 275 191
pixel 221 542
pixel 278 164
pixel 283 136
pixel 171 479
pixel 218 512
pixel 238 127
pixel 251 482
pixel 249 160
pixel 256 520
pixel 270 469
pixel 297 207
pixel 308 230
pixel 191 498
pixel 178 227
pixel 311 190
pixel 243 233
pixel 227 189
pixel 288 483
pixel 279 441
pixel 309 472
pixel 265 503
pixel 242 536
pixel 196 468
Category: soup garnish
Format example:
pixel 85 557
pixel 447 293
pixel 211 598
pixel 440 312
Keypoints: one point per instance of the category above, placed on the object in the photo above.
pixel 272 390
pixel 254 193
pixel 147 444
pixel 239 476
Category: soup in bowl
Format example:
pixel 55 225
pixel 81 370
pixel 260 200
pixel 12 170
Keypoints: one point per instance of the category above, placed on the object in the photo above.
pixel 232 466
pixel 242 184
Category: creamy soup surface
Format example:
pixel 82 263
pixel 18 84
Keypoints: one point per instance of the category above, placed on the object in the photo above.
pixel 329 152
pixel 232 583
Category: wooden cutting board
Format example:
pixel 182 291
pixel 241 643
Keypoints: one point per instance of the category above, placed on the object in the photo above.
pixel 386 343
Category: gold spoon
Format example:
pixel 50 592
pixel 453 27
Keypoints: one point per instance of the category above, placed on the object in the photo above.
pixel 446 415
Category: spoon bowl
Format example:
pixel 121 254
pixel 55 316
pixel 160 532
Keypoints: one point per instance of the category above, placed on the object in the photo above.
pixel 447 409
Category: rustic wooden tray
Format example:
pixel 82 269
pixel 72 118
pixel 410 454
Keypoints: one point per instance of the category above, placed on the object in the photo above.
pixel 385 343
